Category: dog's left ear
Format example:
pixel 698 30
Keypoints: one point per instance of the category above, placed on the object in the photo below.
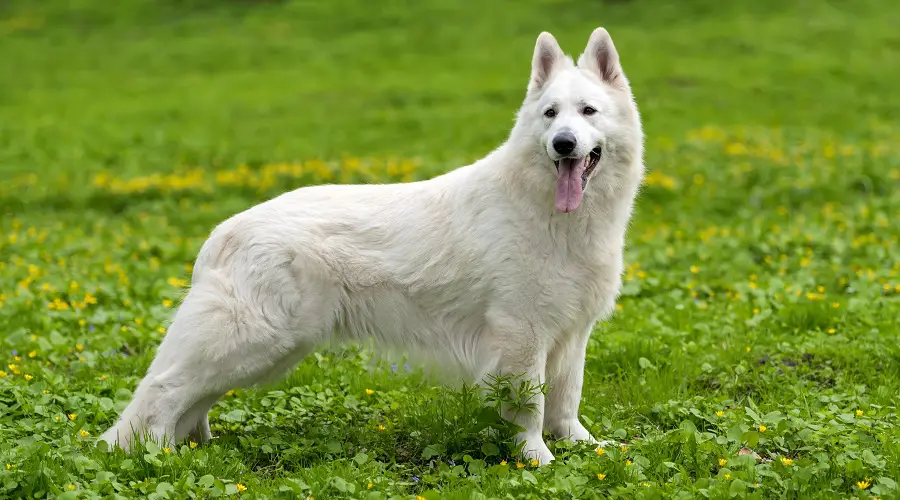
pixel 601 57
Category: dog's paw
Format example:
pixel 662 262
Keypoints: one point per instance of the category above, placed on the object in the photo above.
pixel 536 449
pixel 574 430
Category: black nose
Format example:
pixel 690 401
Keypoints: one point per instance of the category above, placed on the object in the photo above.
pixel 564 143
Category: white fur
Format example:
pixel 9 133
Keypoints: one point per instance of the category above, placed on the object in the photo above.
pixel 475 267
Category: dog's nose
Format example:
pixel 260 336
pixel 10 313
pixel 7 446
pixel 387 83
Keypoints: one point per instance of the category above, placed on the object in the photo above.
pixel 564 143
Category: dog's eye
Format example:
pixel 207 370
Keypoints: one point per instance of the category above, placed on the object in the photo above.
pixel 588 111
pixel 550 113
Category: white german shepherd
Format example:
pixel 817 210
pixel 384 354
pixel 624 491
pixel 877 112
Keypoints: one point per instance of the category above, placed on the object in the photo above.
pixel 501 267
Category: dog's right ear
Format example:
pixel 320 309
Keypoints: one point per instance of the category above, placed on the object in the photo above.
pixel 547 55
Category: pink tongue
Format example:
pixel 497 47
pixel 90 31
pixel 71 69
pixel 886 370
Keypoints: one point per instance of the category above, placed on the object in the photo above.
pixel 568 184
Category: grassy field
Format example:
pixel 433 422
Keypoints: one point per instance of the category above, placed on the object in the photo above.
pixel 754 352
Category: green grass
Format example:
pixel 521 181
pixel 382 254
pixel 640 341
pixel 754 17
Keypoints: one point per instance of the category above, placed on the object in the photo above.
pixel 763 287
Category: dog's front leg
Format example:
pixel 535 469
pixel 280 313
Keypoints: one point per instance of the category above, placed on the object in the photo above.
pixel 565 372
pixel 523 358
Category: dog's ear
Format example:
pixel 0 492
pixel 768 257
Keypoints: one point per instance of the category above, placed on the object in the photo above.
pixel 601 57
pixel 547 55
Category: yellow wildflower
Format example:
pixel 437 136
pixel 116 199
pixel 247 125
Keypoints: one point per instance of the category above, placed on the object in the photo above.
pixel 535 463
pixel 240 487
pixel 176 282
pixel 380 428
pixel 859 413
pixel 369 486
pixel 520 465
pixel 167 450
pixel 83 433
pixel 28 377
pixel 727 476
pixel 79 347
pixel 865 483
pixel 600 451
pixel 601 476
pixel 628 462
pixel 370 392
pixel 73 416
pixel 503 462
pixel 762 428
pixel 71 486
pixel 32 354
pixel 3 374
pixel 192 444
pixel 167 303
pixel 722 462
pixel 787 461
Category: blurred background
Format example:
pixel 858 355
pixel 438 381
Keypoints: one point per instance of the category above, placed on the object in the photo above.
pixel 152 86
pixel 762 264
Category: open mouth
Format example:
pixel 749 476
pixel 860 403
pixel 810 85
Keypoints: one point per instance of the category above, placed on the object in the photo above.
pixel 572 177
pixel 593 158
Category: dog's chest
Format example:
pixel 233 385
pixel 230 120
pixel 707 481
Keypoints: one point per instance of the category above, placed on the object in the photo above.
pixel 566 281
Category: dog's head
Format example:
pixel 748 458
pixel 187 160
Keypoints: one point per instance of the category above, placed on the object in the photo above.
pixel 581 115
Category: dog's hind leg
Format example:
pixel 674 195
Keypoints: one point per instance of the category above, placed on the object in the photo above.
pixel 216 343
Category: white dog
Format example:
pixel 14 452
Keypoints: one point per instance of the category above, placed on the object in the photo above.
pixel 501 267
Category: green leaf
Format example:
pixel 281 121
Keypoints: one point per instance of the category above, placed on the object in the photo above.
pixel 360 458
pixel 152 448
pixel 57 339
pixel 342 485
pixel 646 364
pixel 163 489
pixel 206 481
pixel 869 458
pixel 528 477
pixel 476 466
pixel 737 488
pixel 751 438
pixel 490 449
pixel 887 482
pixel 736 434
pixel 433 450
